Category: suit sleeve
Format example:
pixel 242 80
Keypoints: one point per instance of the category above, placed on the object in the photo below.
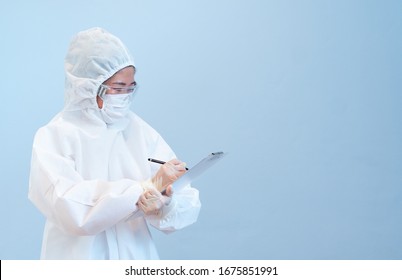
pixel 77 206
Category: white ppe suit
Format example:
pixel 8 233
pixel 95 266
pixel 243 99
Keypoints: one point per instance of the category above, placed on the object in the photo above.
pixel 87 176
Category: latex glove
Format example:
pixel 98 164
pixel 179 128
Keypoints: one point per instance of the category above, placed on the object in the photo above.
pixel 151 202
pixel 168 173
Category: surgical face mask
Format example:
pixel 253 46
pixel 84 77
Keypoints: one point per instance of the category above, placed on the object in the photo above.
pixel 115 106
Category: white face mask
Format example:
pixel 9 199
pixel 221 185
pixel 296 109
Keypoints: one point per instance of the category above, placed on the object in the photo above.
pixel 115 107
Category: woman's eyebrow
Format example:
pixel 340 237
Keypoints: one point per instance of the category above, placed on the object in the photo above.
pixel 122 84
pixel 119 83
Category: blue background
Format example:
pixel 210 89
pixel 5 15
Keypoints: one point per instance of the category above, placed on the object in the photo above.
pixel 304 95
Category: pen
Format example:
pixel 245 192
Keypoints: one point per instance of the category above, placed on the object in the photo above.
pixel 159 161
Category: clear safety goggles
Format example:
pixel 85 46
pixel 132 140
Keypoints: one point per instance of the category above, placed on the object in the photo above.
pixel 105 89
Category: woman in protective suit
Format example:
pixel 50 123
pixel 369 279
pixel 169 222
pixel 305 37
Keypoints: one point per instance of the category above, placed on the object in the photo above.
pixel 90 174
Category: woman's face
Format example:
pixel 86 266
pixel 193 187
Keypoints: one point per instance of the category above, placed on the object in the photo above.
pixel 122 78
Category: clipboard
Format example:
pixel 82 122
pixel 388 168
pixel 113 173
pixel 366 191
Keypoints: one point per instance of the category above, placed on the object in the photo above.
pixel 197 170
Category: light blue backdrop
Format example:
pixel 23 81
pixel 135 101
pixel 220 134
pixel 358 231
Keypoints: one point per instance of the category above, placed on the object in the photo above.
pixel 306 97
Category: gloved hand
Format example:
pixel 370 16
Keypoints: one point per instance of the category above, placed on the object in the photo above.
pixel 168 173
pixel 152 201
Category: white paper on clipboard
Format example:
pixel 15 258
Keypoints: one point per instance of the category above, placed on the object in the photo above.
pixel 197 170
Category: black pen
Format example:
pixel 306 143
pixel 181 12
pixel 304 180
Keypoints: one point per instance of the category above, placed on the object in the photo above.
pixel 159 161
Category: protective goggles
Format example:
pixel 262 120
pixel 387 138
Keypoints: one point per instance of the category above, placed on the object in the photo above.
pixel 105 89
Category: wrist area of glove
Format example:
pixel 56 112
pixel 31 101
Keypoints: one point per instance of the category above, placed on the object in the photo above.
pixel 148 184
pixel 152 183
